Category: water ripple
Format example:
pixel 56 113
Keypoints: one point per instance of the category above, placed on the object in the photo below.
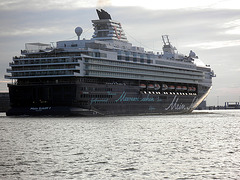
pixel 201 145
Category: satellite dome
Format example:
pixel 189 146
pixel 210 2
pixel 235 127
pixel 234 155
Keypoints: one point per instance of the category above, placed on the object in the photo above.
pixel 78 31
pixel 192 54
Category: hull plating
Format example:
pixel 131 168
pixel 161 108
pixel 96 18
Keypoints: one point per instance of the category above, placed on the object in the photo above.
pixel 76 100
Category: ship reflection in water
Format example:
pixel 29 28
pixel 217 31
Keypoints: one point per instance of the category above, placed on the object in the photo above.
pixel 201 145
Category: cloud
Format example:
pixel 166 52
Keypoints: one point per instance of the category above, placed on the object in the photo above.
pixel 200 29
pixel 183 4
pixel 216 44
pixel 29 31
pixel 233 27
pixel 51 24
pixel 234 91
pixel 103 3
pixel 46 4
pixel 150 4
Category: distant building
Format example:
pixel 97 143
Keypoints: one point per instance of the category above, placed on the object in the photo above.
pixel 232 105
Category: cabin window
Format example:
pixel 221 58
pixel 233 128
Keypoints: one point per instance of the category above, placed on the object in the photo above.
pixel 119 57
pixel 149 61
pixel 97 54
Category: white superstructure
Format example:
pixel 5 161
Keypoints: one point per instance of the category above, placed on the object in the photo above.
pixel 108 55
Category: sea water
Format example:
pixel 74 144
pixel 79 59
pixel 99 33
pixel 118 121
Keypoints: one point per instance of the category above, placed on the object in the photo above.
pixel 200 145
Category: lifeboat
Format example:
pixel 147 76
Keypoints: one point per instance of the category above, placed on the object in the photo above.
pixel 171 87
pixel 156 86
pixel 150 86
pixel 142 86
pixel 178 88
pixel 184 88
pixel 191 89
pixel 164 87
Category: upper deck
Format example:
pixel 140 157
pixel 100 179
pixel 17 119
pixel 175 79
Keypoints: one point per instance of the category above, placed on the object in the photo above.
pixel 109 55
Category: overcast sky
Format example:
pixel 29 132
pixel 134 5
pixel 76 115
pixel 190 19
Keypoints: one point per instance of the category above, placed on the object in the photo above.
pixel 211 28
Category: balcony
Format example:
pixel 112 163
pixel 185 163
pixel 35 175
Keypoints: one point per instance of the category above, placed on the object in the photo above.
pixel 38 74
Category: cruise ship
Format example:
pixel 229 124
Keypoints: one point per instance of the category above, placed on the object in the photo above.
pixel 105 75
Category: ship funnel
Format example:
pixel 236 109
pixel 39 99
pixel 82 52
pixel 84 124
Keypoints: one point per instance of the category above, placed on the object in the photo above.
pixel 78 31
